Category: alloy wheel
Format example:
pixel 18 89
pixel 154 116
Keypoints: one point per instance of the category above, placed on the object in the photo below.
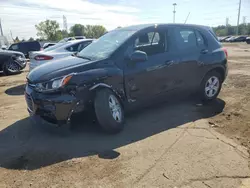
pixel 115 108
pixel 12 66
pixel 212 86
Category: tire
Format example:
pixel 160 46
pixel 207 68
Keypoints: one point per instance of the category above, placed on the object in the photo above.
pixel 103 100
pixel 8 71
pixel 209 92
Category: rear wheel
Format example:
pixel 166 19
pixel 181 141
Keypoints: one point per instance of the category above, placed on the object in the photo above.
pixel 109 111
pixel 10 67
pixel 211 86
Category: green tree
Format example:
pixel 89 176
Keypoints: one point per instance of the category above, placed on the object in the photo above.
pixel 98 31
pixel 48 30
pixel 94 31
pixel 89 31
pixel 222 30
pixel 77 30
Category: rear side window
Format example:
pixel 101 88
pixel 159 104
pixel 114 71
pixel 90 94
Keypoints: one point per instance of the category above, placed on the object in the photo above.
pixel 213 34
pixel 83 45
pixel 200 38
pixel 73 48
pixel 185 38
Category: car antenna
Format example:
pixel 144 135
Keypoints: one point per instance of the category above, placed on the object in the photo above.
pixel 187 18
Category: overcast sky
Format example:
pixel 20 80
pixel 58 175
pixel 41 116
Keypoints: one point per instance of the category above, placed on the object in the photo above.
pixel 20 16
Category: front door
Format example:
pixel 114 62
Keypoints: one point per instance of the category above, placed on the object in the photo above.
pixel 147 79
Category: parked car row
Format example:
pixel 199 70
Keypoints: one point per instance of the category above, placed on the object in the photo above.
pixel 233 39
pixel 125 68
pixel 14 58
pixel 60 50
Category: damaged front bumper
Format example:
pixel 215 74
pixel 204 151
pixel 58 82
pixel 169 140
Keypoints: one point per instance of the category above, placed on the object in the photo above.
pixel 56 108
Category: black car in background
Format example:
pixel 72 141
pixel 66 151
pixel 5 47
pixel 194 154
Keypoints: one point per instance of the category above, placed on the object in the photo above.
pixel 12 62
pixel 26 47
pixel 248 40
pixel 125 68
pixel 239 39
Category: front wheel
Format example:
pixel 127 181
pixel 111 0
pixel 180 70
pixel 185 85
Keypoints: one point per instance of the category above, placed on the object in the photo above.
pixel 109 111
pixel 10 67
pixel 210 86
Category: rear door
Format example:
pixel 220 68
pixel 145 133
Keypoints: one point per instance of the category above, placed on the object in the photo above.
pixel 187 56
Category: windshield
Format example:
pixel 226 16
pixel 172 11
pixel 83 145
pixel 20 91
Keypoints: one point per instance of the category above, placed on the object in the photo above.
pixel 55 46
pixel 105 45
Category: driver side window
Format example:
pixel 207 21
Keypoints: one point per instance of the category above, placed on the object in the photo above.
pixel 151 43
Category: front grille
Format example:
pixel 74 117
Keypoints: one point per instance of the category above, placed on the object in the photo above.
pixel 29 102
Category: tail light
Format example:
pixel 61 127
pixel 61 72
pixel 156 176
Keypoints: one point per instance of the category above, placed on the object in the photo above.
pixel 43 57
pixel 225 50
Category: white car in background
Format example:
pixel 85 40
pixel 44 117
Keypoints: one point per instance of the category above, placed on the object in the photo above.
pixel 60 50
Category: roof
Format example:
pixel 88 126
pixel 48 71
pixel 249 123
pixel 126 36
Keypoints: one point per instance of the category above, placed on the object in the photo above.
pixel 144 26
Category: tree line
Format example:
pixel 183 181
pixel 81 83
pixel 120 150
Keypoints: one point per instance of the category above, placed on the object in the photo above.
pixel 50 30
pixel 225 30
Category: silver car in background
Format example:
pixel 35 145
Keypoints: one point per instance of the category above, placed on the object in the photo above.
pixel 60 50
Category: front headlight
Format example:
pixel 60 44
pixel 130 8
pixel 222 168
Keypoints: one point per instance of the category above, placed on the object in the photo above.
pixel 53 84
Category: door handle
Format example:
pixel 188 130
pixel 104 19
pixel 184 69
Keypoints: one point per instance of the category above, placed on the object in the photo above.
pixel 204 51
pixel 200 63
pixel 169 62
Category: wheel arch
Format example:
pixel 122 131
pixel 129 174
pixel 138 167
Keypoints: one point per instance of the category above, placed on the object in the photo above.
pixel 3 59
pixel 95 88
pixel 219 70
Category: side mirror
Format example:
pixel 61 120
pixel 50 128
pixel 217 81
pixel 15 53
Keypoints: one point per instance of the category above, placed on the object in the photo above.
pixel 139 56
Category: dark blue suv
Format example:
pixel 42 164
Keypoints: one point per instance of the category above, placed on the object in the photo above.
pixel 125 68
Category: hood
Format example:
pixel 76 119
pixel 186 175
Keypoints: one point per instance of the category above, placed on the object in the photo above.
pixel 10 52
pixel 58 68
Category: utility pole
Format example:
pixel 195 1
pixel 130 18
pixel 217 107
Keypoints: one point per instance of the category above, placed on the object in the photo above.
pixel 227 21
pixel 1 29
pixel 65 25
pixel 237 29
pixel 244 20
pixel 12 36
pixel 174 12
